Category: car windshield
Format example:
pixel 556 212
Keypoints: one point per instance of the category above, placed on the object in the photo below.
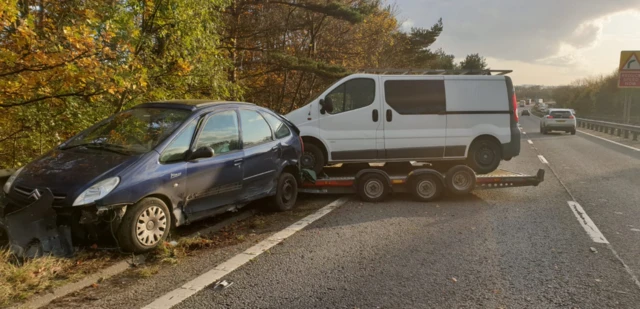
pixel 136 130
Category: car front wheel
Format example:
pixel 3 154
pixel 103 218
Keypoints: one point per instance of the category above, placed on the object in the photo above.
pixel 145 225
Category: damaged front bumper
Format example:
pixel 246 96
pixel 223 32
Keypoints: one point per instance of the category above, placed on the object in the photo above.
pixel 40 229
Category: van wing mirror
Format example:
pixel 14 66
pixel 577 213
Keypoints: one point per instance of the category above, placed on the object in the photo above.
pixel 327 104
pixel 202 152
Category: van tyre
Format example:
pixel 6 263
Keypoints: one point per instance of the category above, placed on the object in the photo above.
pixel 484 156
pixel 144 225
pixel 372 188
pixel 286 193
pixel 427 188
pixel 313 158
pixel 460 180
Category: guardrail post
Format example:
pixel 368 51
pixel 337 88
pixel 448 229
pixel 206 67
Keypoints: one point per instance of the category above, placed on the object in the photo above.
pixel 619 132
pixel 635 136
pixel 626 133
pixel 612 131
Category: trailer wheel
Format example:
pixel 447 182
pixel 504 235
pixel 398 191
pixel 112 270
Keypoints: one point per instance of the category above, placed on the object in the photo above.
pixel 427 188
pixel 372 188
pixel 460 180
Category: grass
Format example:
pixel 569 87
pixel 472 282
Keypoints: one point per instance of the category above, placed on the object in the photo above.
pixel 22 278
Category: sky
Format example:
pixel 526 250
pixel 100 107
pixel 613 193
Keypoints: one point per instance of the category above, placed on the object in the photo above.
pixel 544 42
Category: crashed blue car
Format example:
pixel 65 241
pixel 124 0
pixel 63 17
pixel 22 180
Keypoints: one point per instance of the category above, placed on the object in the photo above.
pixel 143 171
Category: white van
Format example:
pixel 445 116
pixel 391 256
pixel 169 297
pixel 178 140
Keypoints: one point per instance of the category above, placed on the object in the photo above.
pixel 442 119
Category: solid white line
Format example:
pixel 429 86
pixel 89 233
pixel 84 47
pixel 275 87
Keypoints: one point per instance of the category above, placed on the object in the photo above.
pixel 610 141
pixel 530 142
pixel 588 225
pixel 542 159
pixel 192 287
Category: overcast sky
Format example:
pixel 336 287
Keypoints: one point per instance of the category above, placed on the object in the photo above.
pixel 547 42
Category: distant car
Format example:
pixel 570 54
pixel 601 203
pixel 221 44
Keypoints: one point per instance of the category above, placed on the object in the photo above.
pixel 521 104
pixel 558 119
pixel 158 165
pixel 525 113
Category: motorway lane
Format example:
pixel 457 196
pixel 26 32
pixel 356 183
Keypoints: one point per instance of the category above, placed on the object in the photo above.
pixel 507 248
pixel 605 180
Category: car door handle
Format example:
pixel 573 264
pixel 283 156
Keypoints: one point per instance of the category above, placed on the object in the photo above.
pixel 237 162
pixel 374 115
pixel 275 148
pixel 389 115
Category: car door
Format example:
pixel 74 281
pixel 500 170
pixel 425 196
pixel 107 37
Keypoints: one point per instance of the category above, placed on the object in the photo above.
pixel 415 117
pixel 353 129
pixel 216 181
pixel 261 152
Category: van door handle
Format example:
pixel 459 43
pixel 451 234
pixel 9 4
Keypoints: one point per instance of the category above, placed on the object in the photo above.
pixel 389 115
pixel 374 115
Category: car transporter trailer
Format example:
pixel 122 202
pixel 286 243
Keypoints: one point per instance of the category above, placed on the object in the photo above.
pixel 374 182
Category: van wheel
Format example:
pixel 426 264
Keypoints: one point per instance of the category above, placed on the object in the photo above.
pixel 372 188
pixel 286 192
pixel 426 188
pixel 144 226
pixel 312 158
pixel 484 156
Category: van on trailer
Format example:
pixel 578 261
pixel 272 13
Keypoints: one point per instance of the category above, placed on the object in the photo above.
pixel 414 116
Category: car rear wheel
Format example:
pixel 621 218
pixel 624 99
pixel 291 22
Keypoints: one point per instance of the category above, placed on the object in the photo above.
pixel 484 156
pixel 312 158
pixel 286 192
pixel 144 225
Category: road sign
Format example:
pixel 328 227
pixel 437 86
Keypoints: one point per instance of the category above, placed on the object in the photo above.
pixel 629 69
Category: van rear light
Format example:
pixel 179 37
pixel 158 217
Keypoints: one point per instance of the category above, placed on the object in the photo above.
pixel 515 107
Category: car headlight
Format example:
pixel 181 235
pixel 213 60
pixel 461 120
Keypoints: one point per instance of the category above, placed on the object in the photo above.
pixel 12 178
pixel 97 191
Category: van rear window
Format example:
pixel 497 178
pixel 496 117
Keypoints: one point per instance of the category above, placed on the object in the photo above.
pixel 416 97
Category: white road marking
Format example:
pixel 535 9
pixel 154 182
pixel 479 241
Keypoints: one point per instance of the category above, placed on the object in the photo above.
pixel 542 159
pixel 636 230
pixel 610 141
pixel 192 287
pixel 588 225
pixel 523 132
pixel 530 142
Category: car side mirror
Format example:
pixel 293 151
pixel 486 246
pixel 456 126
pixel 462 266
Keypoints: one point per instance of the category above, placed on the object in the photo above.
pixel 202 152
pixel 326 105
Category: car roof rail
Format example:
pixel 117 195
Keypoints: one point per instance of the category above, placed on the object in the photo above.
pixel 384 71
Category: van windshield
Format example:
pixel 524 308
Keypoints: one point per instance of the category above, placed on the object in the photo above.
pixel 136 130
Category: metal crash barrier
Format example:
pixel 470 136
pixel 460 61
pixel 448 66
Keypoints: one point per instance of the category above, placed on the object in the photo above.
pixel 619 129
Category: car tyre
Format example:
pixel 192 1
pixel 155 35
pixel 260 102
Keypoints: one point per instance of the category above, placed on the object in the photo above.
pixel 573 132
pixel 427 188
pixel 484 156
pixel 312 158
pixel 286 193
pixel 144 226
pixel 372 188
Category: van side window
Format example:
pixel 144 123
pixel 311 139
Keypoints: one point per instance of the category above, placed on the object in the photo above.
pixel 353 94
pixel 179 146
pixel 415 97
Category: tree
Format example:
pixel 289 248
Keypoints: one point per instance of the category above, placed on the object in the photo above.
pixel 473 62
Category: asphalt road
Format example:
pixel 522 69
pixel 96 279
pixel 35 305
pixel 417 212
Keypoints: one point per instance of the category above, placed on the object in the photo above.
pixel 507 248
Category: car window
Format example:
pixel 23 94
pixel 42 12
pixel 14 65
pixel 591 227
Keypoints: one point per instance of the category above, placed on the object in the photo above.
pixel 179 146
pixel 560 114
pixel 279 128
pixel 353 94
pixel 136 130
pixel 415 97
pixel 220 132
pixel 255 129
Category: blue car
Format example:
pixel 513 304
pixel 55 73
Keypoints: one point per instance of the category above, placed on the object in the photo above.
pixel 158 165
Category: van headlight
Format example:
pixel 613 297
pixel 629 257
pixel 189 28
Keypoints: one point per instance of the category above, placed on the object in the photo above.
pixel 97 191
pixel 12 178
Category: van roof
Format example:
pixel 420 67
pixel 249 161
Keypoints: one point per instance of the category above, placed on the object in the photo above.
pixel 432 72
